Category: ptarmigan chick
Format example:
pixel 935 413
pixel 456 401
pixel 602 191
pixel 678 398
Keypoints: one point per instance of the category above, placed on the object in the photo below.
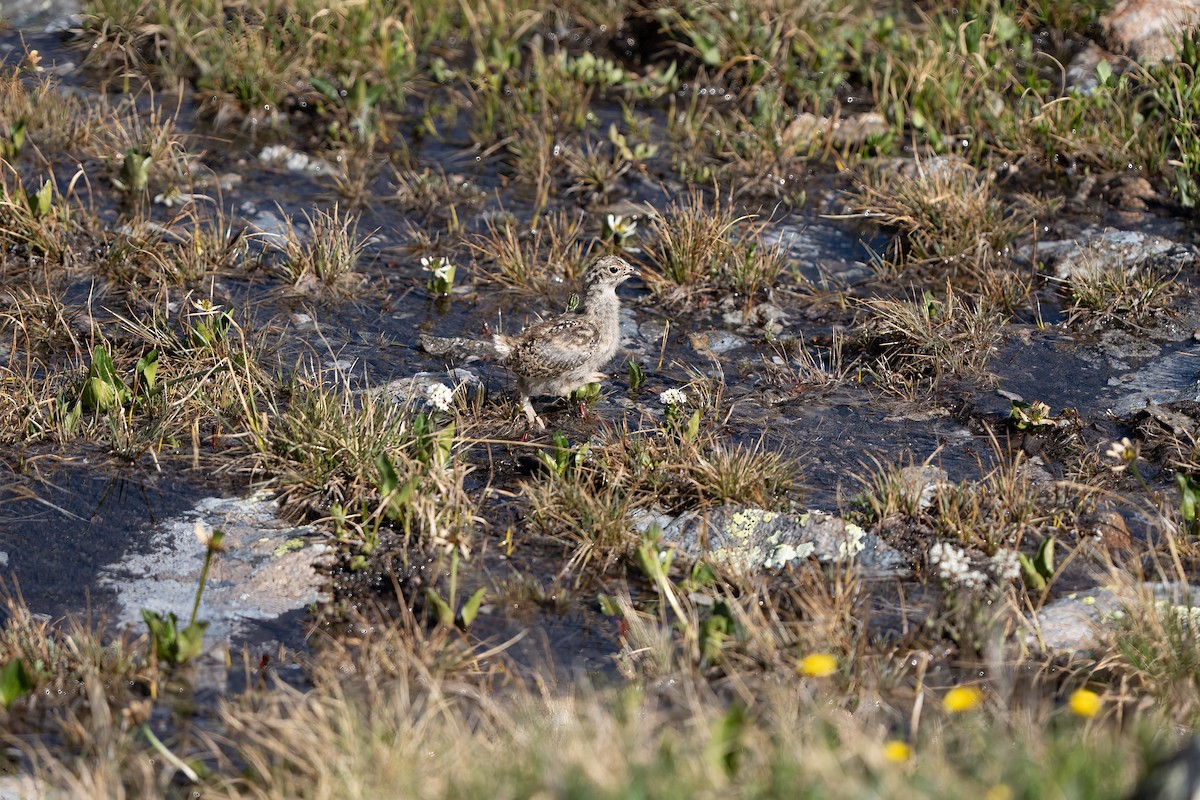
pixel 557 356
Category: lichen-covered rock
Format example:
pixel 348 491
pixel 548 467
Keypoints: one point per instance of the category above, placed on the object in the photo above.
pixel 267 569
pixel 1094 254
pixel 749 539
pixel 1076 624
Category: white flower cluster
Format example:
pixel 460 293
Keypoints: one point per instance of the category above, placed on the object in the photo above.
pixel 1005 566
pixel 673 397
pixel 954 566
pixel 439 395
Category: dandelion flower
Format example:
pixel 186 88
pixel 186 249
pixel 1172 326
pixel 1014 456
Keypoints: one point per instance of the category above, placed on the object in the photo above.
pixel 897 751
pixel 962 698
pixel 1085 703
pixel 673 397
pixel 439 395
pixel 818 665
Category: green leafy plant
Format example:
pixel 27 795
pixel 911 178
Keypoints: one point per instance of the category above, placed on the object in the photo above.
pixel 134 175
pixel 637 377
pixel 172 644
pixel 15 682
pixel 586 395
pixel 563 460
pixel 655 563
pixel 1039 570
pixel 432 444
pixel 41 202
pixel 13 139
pixel 447 613
pixel 103 390
pixel 1030 416
pixel 207 324
pixel 1189 498
pixel 442 280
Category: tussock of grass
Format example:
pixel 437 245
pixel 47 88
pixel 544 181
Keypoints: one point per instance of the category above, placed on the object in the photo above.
pixel 700 244
pixel 589 512
pixel 51 119
pixel 1122 297
pixel 322 451
pixel 323 261
pixel 927 339
pixel 949 218
pixel 667 469
pixel 545 258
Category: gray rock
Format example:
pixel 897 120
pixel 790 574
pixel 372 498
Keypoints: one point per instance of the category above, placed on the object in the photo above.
pixel 267 569
pixel 1109 251
pixel 750 539
pixel 1170 379
pixel 1075 624
pixel 38 13
pixel 405 390
pixel 296 161
pixel 1149 31
pixel 1177 778
pixel 713 343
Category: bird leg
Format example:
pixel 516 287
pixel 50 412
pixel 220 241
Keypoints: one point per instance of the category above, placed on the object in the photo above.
pixel 531 415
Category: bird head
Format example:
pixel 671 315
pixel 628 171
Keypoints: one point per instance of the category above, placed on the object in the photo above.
pixel 608 271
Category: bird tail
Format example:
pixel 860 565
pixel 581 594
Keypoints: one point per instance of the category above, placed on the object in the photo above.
pixel 461 348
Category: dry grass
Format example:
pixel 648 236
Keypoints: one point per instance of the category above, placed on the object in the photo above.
pixel 321 451
pixel 323 261
pixel 927 339
pixel 701 245
pixel 543 258
pixel 950 220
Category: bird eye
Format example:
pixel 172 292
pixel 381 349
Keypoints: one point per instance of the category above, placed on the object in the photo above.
pixel 613 270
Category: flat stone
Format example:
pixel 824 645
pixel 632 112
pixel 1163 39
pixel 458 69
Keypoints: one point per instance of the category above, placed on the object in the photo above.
pixel 1076 624
pixel 268 568
pixel 713 343
pixel 1094 254
pixel 751 539
pixel 403 390
pixel 296 161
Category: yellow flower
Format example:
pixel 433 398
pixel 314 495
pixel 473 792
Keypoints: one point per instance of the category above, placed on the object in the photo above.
pixel 897 751
pixel 999 792
pixel 1085 703
pixel 818 665
pixel 962 698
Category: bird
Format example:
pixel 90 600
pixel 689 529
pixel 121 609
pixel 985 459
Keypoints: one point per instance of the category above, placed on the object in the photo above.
pixel 559 355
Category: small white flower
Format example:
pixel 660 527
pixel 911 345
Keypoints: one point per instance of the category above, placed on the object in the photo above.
pixel 439 395
pixel 621 227
pixel 1124 452
pixel 673 397
pixel 440 267
pixel 204 308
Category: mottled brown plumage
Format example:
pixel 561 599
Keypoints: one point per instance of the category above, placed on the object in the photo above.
pixel 559 355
